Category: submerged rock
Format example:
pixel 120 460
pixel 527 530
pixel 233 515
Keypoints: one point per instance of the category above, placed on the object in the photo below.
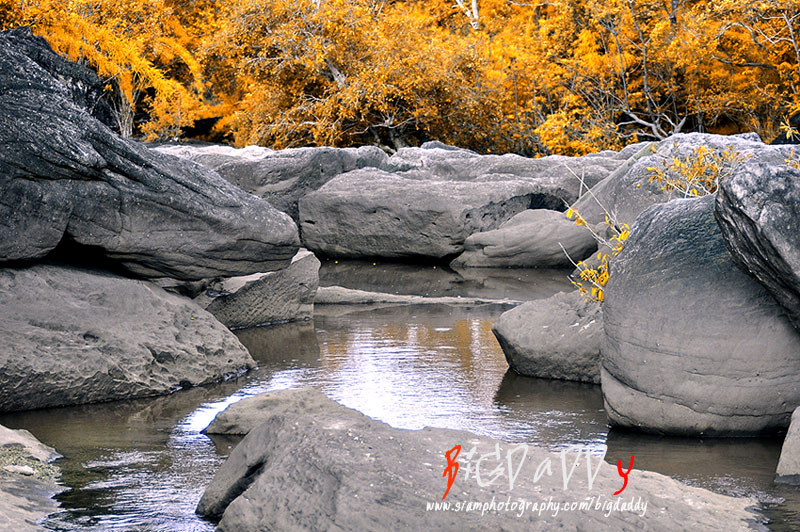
pixel 554 338
pixel 788 471
pixel 265 298
pixel 68 181
pixel 537 238
pixel 280 177
pixel 758 211
pixel 321 466
pixel 372 213
pixel 693 345
pixel 72 336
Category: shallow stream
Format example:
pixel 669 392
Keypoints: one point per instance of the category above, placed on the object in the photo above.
pixel 142 465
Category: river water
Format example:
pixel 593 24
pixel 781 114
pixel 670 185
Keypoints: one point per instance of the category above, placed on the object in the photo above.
pixel 142 465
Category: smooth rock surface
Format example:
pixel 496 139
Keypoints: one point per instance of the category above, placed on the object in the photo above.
pixel 554 338
pixel 281 177
pixel 265 298
pixel 626 192
pixel 338 295
pixel 788 471
pixel 67 180
pixel 72 336
pixel 693 345
pixel 332 468
pixel 372 213
pixel 758 211
pixel 537 238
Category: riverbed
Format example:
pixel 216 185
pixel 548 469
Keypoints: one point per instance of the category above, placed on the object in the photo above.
pixel 142 465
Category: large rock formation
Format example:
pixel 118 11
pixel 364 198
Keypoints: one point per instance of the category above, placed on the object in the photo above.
pixel 325 467
pixel 373 213
pixel 72 336
pixel 67 180
pixel 626 192
pixel 693 344
pixel 265 298
pixel 280 177
pixel 758 210
pixel 554 338
pixel 537 238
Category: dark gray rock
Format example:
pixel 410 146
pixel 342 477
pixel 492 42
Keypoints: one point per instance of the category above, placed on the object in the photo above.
pixel 758 211
pixel 554 338
pixel 71 336
pixel 788 471
pixel 321 466
pixel 68 179
pixel 373 213
pixel 280 177
pixel 531 239
pixel 627 191
pixel 693 345
pixel 265 298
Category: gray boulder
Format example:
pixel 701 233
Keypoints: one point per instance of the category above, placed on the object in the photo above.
pixel 693 345
pixel 758 211
pixel 73 336
pixel 627 192
pixel 531 239
pixel 28 481
pixel 67 180
pixel 265 298
pixel 280 177
pixel 331 468
pixel 788 471
pixel 554 338
pixel 373 213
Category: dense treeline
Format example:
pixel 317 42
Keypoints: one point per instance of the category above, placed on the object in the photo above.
pixel 557 76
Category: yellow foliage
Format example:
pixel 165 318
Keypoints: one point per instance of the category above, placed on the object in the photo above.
pixel 536 77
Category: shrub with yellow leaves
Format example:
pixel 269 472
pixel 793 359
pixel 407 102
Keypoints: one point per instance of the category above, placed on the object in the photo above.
pixel 698 174
pixel 592 280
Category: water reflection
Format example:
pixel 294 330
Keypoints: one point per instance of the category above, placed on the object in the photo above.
pixel 142 465
pixel 410 279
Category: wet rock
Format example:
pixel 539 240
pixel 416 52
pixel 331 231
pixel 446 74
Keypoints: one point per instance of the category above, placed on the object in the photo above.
pixel 265 298
pixel 372 213
pixel 280 177
pixel 554 338
pixel 788 471
pixel 28 481
pixel 74 336
pixel 338 295
pixel 693 345
pixel 331 468
pixel 531 239
pixel 68 181
pixel 758 211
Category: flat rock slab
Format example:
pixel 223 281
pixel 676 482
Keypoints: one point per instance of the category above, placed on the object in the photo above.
pixel 694 345
pixel 72 336
pixel 67 181
pixel 281 177
pixel 554 338
pixel 372 213
pixel 265 298
pixel 535 238
pixel 338 295
pixel 331 468
pixel 758 211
